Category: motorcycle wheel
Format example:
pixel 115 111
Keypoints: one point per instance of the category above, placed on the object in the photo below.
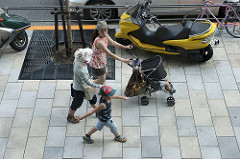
pixel 20 42
pixel 204 55
pixel 100 13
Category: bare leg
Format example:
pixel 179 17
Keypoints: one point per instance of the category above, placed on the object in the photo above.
pixel 71 112
pixel 93 130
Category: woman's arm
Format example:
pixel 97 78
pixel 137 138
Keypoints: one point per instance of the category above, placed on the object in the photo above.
pixel 97 109
pixel 119 97
pixel 116 44
pixel 102 46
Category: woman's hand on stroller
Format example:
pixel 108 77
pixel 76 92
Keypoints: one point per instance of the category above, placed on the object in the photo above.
pixel 127 61
pixel 129 47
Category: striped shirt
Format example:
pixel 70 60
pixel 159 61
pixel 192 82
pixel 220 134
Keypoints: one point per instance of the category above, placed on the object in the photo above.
pixel 99 57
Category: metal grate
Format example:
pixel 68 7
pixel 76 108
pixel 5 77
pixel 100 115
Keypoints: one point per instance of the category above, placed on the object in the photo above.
pixel 38 66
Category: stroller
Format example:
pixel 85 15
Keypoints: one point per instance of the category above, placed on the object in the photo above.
pixel 154 72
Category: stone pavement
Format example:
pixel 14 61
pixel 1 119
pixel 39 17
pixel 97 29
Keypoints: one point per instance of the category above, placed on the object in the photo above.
pixel 204 123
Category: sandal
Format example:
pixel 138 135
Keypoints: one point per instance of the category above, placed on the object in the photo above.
pixel 72 119
pixel 120 139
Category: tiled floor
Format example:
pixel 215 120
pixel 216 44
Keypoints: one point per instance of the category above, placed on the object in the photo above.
pixel 204 123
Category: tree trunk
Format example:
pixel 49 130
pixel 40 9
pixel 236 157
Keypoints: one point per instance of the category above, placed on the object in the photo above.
pixel 69 30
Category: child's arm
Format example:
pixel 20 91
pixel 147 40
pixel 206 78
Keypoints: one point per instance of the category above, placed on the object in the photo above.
pixel 119 97
pixel 98 108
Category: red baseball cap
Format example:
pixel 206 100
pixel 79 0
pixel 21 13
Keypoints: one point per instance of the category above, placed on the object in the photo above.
pixel 107 91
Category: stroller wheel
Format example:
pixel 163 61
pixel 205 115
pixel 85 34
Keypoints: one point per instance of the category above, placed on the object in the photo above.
pixel 170 101
pixel 144 100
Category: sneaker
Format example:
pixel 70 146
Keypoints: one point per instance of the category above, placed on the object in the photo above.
pixel 88 139
pixel 120 139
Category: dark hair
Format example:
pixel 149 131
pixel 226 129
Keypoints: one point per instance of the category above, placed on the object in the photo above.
pixel 94 35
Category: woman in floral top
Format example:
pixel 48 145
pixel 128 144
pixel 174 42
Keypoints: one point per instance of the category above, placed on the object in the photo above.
pixel 100 40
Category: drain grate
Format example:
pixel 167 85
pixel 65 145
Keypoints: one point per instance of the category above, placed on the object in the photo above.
pixel 38 65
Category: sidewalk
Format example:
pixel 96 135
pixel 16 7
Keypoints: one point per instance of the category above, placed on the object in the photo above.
pixel 203 124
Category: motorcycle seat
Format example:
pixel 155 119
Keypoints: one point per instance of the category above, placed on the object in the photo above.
pixel 163 33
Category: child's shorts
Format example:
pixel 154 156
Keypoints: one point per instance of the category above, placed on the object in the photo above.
pixel 162 83
pixel 109 123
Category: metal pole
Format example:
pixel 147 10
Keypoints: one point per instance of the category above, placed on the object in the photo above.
pixel 64 27
pixel 56 29
pixel 69 35
pixel 80 26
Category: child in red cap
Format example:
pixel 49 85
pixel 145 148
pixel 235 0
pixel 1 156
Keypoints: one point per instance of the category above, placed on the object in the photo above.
pixel 104 115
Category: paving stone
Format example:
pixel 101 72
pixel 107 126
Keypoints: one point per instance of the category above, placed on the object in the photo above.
pixel 30 85
pixel 149 126
pixel 58 117
pixel 130 116
pixel 27 99
pixel 61 99
pixel 150 109
pixel 194 82
pixel 133 135
pixel 183 107
pixel 3 82
pixel 176 73
pixel 8 108
pixel 13 77
pixel 15 153
pixel 189 147
pixel 111 148
pixel 232 98
pixel 6 69
pixel 191 68
pixel 234 59
pixel 23 118
pixel 207 137
pixel 217 107
pixel 5 127
pixel 237 134
pixel 46 90
pixel 12 91
pixel 63 85
pixel 234 114
pixel 231 47
pixel 133 153
pixel 170 153
pixel 186 126
pixel 220 55
pixel 198 99
pixel 35 147
pixel 151 146
pixel 236 72
pixel 75 129
pixel 53 153
pixel 43 107
pixel 56 137
pixel 181 91
pixel 213 91
pixel 228 147
pixel 202 117
pixel 209 72
pixel 98 151
pixel 211 153
pixel 18 138
pixel 3 146
pixel 116 107
pixel 166 116
pixel 230 80
pixel 39 126
pixel 222 126
pixel 169 136
pixel 73 147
